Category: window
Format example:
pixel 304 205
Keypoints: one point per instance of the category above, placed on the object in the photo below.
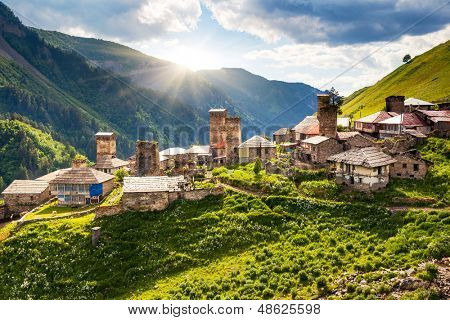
pixel 399 174
pixel 416 167
pixel 404 166
pixel 360 180
pixel 380 170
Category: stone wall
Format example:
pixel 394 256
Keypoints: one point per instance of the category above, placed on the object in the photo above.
pixel 108 211
pixel 395 104
pixel 408 167
pixel 17 203
pixel 358 141
pixel 147 158
pixel 106 145
pixel 327 116
pixel 260 152
pixel 224 135
pixel 324 150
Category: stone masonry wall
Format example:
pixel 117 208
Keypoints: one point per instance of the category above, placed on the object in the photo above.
pixel 147 158
pixel 16 203
pixel 395 104
pixel 324 150
pixel 106 146
pixel 405 168
pixel 327 116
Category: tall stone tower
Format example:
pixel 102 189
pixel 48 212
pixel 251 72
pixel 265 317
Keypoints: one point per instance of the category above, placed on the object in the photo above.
pixel 395 104
pixel 327 116
pixel 106 145
pixel 224 134
pixel 147 158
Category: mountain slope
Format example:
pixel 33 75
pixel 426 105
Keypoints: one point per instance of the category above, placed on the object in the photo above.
pixel 254 98
pixel 425 77
pixel 28 152
pixel 62 90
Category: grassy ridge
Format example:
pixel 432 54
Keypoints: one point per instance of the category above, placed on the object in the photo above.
pixel 425 77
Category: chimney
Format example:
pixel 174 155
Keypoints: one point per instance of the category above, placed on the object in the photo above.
pixel 79 162
pixel 327 116
pixel 395 104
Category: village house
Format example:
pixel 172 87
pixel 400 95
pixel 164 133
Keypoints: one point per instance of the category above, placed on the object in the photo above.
pixel 438 121
pixel 256 147
pixel 353 139
pixel 307 128
pixel 412 104
pixel 365 169
pixel 200 155
pixel 371 124
pixel 317 149
pixel 23 195
pixel 107 160
pixel 80 185
pixel 409 165
pixel 395 126
pixel 224 136
pixel 282 135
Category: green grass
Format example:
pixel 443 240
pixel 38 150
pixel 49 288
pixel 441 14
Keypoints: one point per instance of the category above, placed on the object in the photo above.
pixel 6 229
pixel 114 197
pixel 52 210
pixel 425 77
pixel 228 247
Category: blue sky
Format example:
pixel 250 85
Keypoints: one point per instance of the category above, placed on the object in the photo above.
pixel 290 40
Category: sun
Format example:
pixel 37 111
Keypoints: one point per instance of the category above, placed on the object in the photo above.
pixel 195 58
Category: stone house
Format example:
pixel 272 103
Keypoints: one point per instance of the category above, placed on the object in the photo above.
pixel 365 169
pixel 256 147
pixel 24 195
pixel 439 121
pixel 282 135
pixel 107 160
pixel 353 139
pixel 307 128
pixel 371 124
pixel 412 104
pixel 80 185
pixel 317 149
pixel 409 165
pixel 395 126
pixel 200 155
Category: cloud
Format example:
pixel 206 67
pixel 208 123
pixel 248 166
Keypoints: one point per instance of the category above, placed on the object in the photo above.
pixel 317 64
pixel 330 21
pixel 130 20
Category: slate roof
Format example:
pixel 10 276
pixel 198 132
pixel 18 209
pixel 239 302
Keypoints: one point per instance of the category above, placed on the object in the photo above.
pixel 52 175
pixel 26 187
pixel 195 149
pixel 417 102
pixel 256 142
pixel 414 133
pixel 172 151
pixel 315 140
pixel 307 124
pixel 346 135
pixel 376 117
pixel 405 119
pixel 108 162
pixel 369 157
pixel 153 184
pixel 281 132
pixel 82 176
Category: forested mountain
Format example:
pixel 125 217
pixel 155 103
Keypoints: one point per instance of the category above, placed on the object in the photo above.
pixel 425 77
pixel 255 98
pixel 27 152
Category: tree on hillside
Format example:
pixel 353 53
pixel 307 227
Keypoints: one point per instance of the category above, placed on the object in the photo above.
pixel 406 58
pixel 258 166
pixel 120 174
pixel 336 100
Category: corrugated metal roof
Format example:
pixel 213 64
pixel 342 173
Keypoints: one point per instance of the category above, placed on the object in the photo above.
pixel 172 151
pixel 369 157
pixel 433 113
pixel 26 187
pixel 82 176
pixel 315 140
pixel 417 102
pixel 376 117
pixel 152 184
pixel 196 149
pixel 405 119
pixel 257 141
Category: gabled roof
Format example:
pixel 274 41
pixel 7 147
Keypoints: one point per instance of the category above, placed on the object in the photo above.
pixel 172 151
pixel 281 132
pixel 108 162
pixel 82 176
pixel 153 184
pixel 195 149
pixel 405 119
pixel 369 157
pixel 306 124
pixel 26 187
pixel 315 140
pixel 104 134
pixel 433 113
pixel 52 175
pixel 346 135
pixel 417 102
pixel 414 133
pixel 256 142
pixel 376 117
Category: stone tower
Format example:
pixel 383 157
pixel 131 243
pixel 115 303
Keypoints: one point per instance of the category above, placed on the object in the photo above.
pixel 395 104
pixel 106 144
pixel 224 134
pixel 147 158
pixel 327 116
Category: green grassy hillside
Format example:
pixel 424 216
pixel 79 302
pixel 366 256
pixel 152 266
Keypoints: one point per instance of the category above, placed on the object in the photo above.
pixel 28 152
pixel 425 77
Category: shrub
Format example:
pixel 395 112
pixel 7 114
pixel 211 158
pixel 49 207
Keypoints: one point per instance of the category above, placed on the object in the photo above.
pixel 322 283
pixel 320 189
pixel 299 240
pixel 258 166
pixel 120 174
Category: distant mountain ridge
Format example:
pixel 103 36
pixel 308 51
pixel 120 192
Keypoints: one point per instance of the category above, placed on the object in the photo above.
pixel 425 77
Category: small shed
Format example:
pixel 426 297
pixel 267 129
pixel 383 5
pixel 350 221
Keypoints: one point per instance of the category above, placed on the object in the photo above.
pixel 317 149
pixel 23 195
pixel 256 147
